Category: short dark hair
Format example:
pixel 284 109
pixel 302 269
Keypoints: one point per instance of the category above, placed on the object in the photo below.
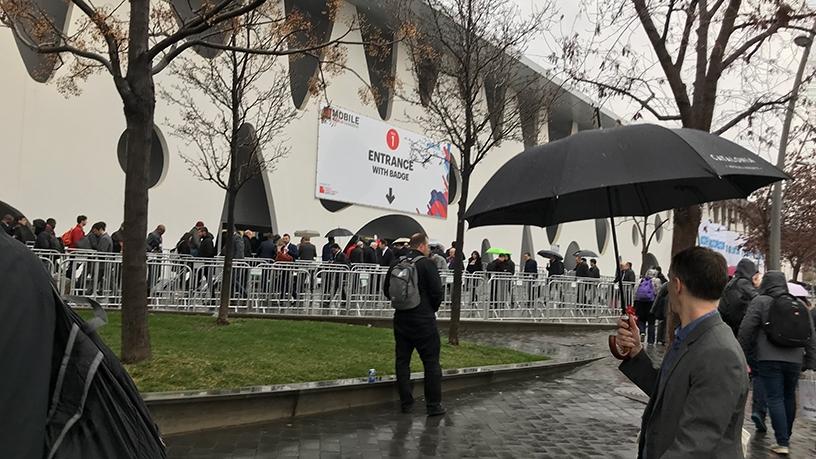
pixel 629 264
pixel 51 222
pixel 99 226
pixel 593 261
pixel 287 235
pixel 703 271
pixel 418 239
pixel 81 218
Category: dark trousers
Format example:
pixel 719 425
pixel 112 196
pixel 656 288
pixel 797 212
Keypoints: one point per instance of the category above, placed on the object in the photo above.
pixel 427 344
pixel 780 380
pixel 646 321
pixel 759 404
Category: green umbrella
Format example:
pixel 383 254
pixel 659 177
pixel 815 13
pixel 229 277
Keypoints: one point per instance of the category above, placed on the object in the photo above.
pixel 498 251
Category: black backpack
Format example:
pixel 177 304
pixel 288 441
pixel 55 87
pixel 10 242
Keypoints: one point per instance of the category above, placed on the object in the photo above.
pixel 788 323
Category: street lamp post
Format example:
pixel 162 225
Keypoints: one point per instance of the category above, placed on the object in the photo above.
pixel 775 243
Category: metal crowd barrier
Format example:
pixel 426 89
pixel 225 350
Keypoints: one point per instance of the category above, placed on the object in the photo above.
pixel 313 288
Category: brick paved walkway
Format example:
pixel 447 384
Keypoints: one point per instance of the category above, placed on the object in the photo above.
pixel 580 414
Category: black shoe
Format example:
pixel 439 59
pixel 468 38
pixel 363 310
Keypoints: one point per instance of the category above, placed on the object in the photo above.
pixel 436 410
pixel 407 408
pixel 759 422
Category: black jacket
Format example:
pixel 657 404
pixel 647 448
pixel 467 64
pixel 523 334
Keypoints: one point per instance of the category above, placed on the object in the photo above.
pixel 340 259
pixel 268 249
pixel 357 255
pixel 307 251
pixel 387 258
pixel 582 270
pixel 326 254
pixel 474 266
pixel 594 272
pixel 530 266
pixel 556 268
pixel 369 255
pixel 206 248
pixel 738 294
pixel 24 234
pixel 430 293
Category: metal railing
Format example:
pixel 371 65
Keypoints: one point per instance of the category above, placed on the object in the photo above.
pixel 184 283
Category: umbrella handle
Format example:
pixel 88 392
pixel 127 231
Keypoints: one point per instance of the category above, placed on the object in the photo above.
pixel 613 340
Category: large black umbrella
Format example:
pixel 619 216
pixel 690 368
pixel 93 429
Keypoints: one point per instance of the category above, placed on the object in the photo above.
pixel 7 209
pixel 551 254
pixel 391 227
pixel 634 170
pixel 584 254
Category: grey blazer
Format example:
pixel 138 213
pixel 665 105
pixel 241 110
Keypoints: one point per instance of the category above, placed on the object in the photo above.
pixel 696 410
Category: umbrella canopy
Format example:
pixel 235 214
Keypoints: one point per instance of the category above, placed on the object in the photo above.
pixel 338 232
pixel 7 209
pixel 585 254
pixel 797 290
pixel 551 254
pixel 634 170
pixel 391 227
pixel 402 240
pixel 498 251
pixel 307 233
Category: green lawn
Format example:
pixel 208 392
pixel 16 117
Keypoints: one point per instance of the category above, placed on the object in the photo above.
pixel 191 352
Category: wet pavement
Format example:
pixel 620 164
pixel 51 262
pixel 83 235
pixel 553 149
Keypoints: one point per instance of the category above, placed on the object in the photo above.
pixel 593 411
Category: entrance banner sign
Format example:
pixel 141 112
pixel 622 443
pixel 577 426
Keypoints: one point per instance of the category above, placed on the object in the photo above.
pixel 366 161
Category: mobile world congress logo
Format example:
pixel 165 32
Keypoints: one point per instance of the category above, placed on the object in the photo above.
pixel 334 115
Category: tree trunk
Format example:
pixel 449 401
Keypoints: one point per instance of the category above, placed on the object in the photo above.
pixel 139 98
pixel 135 333
pixel 686 225
pixel 458 266
pixel 229 254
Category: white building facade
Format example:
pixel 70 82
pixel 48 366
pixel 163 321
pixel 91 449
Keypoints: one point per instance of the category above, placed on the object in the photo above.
pixel 60 160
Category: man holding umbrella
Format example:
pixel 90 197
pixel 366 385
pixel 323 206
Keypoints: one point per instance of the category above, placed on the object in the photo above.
pixel 697 397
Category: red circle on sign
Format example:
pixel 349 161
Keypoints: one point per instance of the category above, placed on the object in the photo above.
pixel 392 139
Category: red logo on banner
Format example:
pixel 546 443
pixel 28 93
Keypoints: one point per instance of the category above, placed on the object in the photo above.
pixel 322 190
pixel 392 139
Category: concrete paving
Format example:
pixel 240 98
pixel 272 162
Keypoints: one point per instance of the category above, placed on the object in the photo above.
pixel 592 412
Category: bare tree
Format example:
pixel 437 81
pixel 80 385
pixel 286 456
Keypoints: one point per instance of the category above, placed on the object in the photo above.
pixel 700 46
pixel 133 44
pixel 472 50
pixel 235 109
pixel 646 232
pixel 798 217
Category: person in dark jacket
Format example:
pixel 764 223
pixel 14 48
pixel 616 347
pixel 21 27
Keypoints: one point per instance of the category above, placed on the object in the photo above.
pixel 289 248
pixel 7 224
pixel 104 243
pixel 594 272
pixel 118 237
pixel 530 265
pixel 269 248
pixel 154 240
pixel 326 252
pixel 306 250
pixel 46 238
pixel 474 263
pixel 206 247
pixel 357 255
pixel 581 267
pixel 626 271
pixel 416 329
pixel 387 257
pixel 738 294
pixel 555 267
pixel 779 367
pixel 370 253
pixel 23 232
pixel 249 238
pixel 659 312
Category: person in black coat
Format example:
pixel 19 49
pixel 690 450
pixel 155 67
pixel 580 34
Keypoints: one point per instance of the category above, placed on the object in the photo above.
pixel 594 272
pixel 416 329
pixel 556 267
pixel 474 263
pixel 269 247
pixel 22 232
pixel 369 254
pixel 326 253
pixel 306 250
pixel 357 254
pixel 738 294
pixel 581 267
pixel 387 258
pixel 530 265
